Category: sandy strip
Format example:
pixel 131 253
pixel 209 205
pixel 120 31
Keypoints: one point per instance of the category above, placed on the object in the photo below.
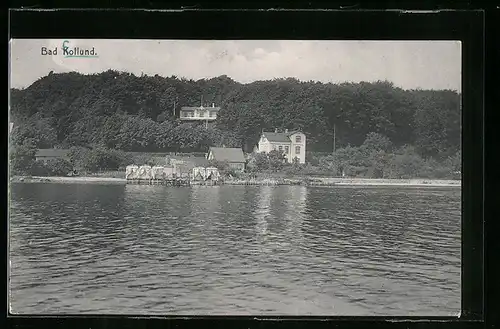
pixel 314 182
pixel 389 182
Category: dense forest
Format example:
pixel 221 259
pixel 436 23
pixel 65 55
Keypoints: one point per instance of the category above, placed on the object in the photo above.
pixel 122 111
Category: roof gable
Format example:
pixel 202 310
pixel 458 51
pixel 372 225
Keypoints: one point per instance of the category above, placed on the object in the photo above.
pixel 295 132
pixel 228 154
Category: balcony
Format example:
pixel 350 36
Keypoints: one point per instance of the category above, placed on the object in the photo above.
pixel 203 116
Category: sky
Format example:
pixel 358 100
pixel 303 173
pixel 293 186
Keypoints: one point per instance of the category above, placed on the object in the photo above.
pixel 408 64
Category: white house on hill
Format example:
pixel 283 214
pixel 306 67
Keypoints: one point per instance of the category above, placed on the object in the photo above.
pixel 199 113
pixel 292 143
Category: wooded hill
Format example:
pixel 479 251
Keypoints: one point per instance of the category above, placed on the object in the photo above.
pixel 123 111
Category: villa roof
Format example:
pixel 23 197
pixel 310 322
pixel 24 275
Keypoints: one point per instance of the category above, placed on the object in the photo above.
pixel 228 154
pixel 279 137
pixel 192 108
pixel 52 153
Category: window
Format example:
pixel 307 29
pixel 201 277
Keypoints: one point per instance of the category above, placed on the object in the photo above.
pixel 297 149
pixel 280 148
pixel 298 139
pixel 274 147
pixel 287 149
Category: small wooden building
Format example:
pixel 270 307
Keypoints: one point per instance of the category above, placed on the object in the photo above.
pixel 234 157
pixel 51 154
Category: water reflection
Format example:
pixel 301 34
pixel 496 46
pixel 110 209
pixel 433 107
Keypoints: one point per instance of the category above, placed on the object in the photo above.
pixel 295 210
pixel 234 250
pixel 206 199
pixel 262 212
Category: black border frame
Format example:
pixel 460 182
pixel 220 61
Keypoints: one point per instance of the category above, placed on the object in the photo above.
pixel 466 26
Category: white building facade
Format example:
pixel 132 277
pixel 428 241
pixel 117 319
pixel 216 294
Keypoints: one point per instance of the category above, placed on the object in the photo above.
pixel 292 144
pixel 199 113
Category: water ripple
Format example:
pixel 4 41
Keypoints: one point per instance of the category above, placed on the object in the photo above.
pixel 236 250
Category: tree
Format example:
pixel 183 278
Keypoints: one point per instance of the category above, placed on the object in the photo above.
pixel 376 142
pixel 351 161
pixel 406 163
pixel 102 159
pixel 58 167
pixel 276 160
pixel 37 129
pixel 258 162
pixel 120 110
pixel 22 157
pixel 376 148
pixel 330 163
pixel 455 162
pixel 220 138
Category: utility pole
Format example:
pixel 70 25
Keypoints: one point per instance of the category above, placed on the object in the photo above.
pixel 334 138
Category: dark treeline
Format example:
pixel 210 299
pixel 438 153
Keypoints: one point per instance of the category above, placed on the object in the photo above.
pixel 123 111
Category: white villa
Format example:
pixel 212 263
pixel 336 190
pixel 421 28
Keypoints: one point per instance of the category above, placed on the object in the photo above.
pixel 292 143
pixel 199 113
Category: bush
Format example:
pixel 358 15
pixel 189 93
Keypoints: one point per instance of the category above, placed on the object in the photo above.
pixel 103 159
pixel 58 167
pixel 39 169
pixel 276 160
pixel 259 162
pixel 53 167
pixel 78 156
pixel 22 158
pixel 405 164
pixel 329 164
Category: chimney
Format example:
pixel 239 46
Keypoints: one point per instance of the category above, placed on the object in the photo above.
pixel 286 130
pixel 213 104
pixel 275 130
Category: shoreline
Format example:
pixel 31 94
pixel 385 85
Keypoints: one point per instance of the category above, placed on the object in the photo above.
pixel 61 179
pixel 263 182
